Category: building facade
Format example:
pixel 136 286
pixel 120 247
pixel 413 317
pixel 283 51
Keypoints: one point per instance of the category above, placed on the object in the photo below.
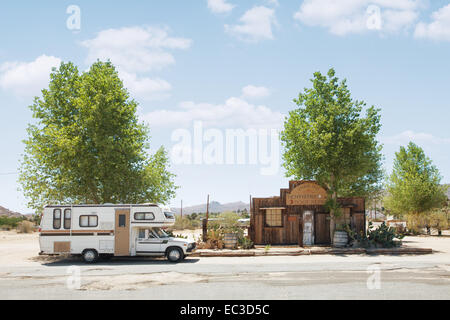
pixel 299 217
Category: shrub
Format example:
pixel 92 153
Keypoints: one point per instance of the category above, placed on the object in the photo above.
pixel 383 237
pixel 245 243
pixel 184 223
pixel 10 222
pixel 25 227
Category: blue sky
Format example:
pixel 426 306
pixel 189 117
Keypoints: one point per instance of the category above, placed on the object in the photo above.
pixel 233 65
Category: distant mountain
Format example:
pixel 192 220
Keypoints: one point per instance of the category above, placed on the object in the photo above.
pixel 214 206
pixel 9 213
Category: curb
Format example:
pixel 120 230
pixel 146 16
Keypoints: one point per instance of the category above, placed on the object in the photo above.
pixel 306 252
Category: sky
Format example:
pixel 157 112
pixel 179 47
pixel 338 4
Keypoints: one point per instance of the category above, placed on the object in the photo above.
pixel 204 70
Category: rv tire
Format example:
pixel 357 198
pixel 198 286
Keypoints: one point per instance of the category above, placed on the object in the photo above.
pixel 90 256
pixel 174 254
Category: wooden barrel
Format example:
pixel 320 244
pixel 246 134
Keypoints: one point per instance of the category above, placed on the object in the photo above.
pixel 230 240
pixel 340 239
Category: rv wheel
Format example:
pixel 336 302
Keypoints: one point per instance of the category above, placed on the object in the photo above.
pixel 90 256
pixel 175 254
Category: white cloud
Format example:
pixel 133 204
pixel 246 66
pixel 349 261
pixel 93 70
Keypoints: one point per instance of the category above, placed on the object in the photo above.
pixel 256 25
pixel 255 92
pixel 26 79
pixel 418 137
pixel 274 3
pixel 357 16
pixel 145 88
pixel 135 51
pixel 438 29
pixel 220 6
pixel 234 113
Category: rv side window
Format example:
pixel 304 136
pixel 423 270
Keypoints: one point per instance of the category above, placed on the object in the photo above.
pixel 67 218
pixel 144 216
pixel 169 215
pixel 89 221
pixel 57 219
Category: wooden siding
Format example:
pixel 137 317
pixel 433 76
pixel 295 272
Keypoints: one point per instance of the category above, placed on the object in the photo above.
pixel 292 231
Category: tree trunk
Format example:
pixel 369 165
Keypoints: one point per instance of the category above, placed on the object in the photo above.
pixel 332 211
pixel 332 227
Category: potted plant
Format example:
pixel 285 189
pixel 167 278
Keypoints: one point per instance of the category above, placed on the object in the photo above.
pixel 231 236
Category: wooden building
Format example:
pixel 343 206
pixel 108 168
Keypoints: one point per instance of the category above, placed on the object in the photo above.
pixel 298 216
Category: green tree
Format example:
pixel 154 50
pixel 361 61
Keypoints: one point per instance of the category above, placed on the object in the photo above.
pixel 326 139
pixel 87 145
pixel 414 185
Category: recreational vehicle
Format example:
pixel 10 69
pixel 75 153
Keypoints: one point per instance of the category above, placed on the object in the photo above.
pixel 105 231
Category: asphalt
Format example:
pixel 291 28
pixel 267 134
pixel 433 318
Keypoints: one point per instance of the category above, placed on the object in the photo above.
pixel 237 278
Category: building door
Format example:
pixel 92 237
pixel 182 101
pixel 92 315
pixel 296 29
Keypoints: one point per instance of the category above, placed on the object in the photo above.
pixel 322 229
pixel 308 228
pixel 122 233
pixel 358 223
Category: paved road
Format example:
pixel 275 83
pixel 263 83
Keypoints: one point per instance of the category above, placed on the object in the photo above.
pixel 303 277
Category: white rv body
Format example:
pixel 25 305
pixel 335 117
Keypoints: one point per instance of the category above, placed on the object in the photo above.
pixel 110 230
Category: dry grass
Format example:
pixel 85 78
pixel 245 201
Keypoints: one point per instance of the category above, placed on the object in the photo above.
pixel 25 227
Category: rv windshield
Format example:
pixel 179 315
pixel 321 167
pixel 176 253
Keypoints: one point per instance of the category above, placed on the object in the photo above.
pixel 160 233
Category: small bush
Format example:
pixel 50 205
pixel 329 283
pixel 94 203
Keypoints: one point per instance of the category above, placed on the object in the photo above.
pixel 10 222
pixel 381 237
pixel 184 223
pixel 25 227
pixel 245 243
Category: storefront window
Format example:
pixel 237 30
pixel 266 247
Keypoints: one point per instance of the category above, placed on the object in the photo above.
pixel 274 218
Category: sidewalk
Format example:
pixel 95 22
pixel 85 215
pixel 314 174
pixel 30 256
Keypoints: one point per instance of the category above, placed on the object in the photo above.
pixel 297 251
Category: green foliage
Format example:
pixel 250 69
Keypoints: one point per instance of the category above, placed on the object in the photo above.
pixel 327 140
pixel 381 237
pixel 245 243
pixel 185 223
pixel 414 185
pixel 87 145
pixel 10 222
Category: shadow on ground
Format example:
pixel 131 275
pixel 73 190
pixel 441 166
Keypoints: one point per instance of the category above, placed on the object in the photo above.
pixel 128 261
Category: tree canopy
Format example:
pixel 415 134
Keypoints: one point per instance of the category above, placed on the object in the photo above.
pixel 326 139
pixel 414 185
pixel 87 145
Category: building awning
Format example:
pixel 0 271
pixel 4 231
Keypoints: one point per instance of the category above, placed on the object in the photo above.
pixel 274 208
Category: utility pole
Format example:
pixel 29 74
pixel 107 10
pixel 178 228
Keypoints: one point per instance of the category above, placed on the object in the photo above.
pixel 207 209
pixel 205 222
